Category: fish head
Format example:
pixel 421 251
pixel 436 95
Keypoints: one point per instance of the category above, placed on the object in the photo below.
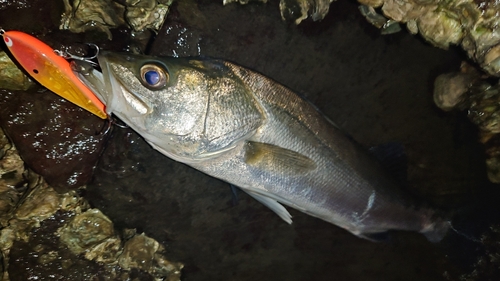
pixel 166 100
pixel 150 91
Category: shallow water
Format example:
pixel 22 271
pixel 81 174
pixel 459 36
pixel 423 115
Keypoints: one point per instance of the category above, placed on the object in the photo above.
pixel 378 89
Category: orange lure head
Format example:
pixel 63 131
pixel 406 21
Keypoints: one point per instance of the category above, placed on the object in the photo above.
pixel 51 70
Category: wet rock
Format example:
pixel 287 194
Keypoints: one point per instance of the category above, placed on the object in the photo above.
pixel 181 40
pixel 372 16
pixel 297 10
pixel 438 28
pixel 484 111
pixel 92 234
pixel 472 92
pixel 11 77
pixel 178 38
pixel 80 16
pixel 11 177
pixel 31 201
pixel 220 241
pixel 18 4
pixel 138 252
pixel 492 60
pixel 243 2
pixel 474 25
pixel 55 138
pixel 145 253
pixel 39 204
pixel 146 14
pixel 487 263
pixel 492 146
pixel 435 25
pixel 45 235
pixel 450 89
pixel 388 26
pixel 12 167
pixel 44 257
pixel 86 230
pixel 371 3
pixel 102 15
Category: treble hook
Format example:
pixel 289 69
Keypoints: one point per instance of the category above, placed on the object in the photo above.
pixel 67 55
pixel 109 124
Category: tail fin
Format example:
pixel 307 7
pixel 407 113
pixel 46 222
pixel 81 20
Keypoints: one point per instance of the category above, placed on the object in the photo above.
pixel 437 231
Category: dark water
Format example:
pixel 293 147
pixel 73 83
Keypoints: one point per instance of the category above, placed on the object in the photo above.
pixel 379 89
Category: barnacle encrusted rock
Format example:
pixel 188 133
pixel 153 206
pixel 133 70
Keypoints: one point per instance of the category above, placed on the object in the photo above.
pixel 59 235
pixel 86 230
pixel 146 14
pixel 102 15
pixel 468 90
pixel 80 16
pixel 297 10
pixel 11 77
pixel 474 25
pixel 450 89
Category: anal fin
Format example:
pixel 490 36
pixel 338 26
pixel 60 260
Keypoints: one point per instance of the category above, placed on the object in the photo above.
pixel 272 204
pixel 234 194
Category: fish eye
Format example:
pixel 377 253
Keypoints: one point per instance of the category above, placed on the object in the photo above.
pixel 153 76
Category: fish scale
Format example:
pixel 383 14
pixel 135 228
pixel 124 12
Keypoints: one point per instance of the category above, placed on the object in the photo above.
pixel 248 130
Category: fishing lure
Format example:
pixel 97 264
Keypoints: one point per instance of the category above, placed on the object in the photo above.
pixel 51 70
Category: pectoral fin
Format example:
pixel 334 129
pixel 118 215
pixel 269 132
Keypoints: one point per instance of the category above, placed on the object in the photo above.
pixel 272 204
pixel 275 159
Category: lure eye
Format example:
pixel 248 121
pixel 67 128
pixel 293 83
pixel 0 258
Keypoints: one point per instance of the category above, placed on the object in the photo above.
pixel 153 76
pixel 8 41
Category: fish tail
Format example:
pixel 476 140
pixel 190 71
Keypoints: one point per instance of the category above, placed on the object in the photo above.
pixel 436 231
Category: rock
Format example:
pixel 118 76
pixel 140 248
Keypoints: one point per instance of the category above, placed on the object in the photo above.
pixel 55 138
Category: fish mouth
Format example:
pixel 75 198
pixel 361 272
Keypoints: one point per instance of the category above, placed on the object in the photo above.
pixel 91 77
pixel 107 85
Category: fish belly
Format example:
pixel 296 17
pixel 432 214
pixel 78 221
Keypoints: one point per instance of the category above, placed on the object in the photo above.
pixel 332 192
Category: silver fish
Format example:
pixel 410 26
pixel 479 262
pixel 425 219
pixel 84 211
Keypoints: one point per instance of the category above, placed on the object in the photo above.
pixel 244 128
